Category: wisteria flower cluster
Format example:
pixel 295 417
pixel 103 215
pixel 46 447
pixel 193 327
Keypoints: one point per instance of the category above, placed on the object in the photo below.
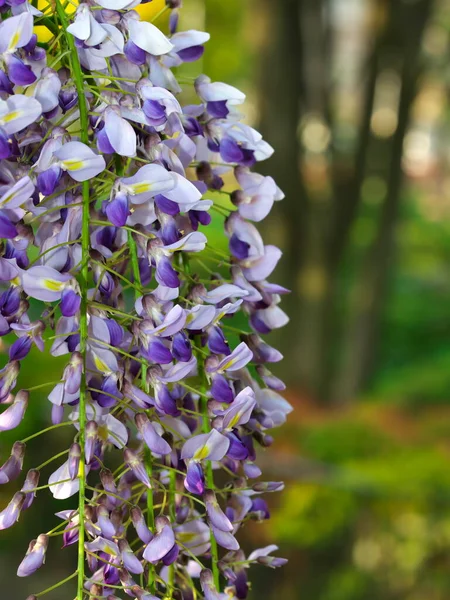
pixel 106 182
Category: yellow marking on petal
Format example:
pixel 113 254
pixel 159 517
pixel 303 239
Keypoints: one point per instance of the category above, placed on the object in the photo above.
pixel 186 536
pixel 73 164
pixel 15 281
pixel 103 432
pixel 53 285
pixel 228 364
pixel 110 550
pixel 235 420
pixel 11 116
pixel 13 43
pixel 201 453
pixel 8 198
pixel 100 365
pixel 140 188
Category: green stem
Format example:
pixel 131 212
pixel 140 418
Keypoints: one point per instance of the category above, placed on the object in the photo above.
pixel 134 263
pixel 57 585
pixel 42 385
pixel 171 578
pixel 50 460
pixel 84 275
pixel 47 485
pixel 209 476
pixel 150 516
pixel 209 479
pixel 160 13
pixel 30 437
pixel 147 453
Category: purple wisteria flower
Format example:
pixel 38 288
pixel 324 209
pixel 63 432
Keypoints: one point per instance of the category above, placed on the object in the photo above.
pixel 109 182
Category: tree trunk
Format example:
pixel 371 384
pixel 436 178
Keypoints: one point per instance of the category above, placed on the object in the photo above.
pixel 296 83
pixel 370 294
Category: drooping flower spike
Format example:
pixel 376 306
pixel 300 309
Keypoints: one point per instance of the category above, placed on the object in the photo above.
pixel 109 182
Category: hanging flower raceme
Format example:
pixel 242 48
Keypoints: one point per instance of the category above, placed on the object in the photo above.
pixel 108 263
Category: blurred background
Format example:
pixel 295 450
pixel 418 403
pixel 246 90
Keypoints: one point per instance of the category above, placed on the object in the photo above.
pixel 353 95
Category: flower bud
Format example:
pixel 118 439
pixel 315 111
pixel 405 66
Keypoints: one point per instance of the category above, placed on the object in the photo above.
pixel 268 486
pixel 207 585
pixel 195 479
pixel 91 438
pixel 11 513
pixel 13 415
pixel 141 594
pixel 96 592
pixel 34 557
pixel 173 21
pixel 237 197
pixel 140 525
pixel 57 414
pixel 108 530
pixel 74 460
pixel 205 172
pixel 109 485
pixel 92 561
pixel 31 482
pixel 216 516
pixel 272 382
pixel 150 436
pixel 8 377
pixel 130 562
pixel 11 469
pixel 137 467
pixel 125 578
pixel 163 542
pixel 182 511
pixel 72 373
pixel 263 438
pixel 272 561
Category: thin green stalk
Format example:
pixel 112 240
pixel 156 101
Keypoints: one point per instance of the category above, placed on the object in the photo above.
pixel 84 275
pixel 50 460
pixel 42 385
pixel 171 578
pixel 209 476
pixel 42 431
pixel 56 585
pixel 209 479
pixel 47 485
pixel 160 13
pixel 134 263
pixel 147 453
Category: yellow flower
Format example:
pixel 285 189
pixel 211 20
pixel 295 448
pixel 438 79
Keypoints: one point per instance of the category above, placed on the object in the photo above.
pixel 147 12
pixel 150 9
